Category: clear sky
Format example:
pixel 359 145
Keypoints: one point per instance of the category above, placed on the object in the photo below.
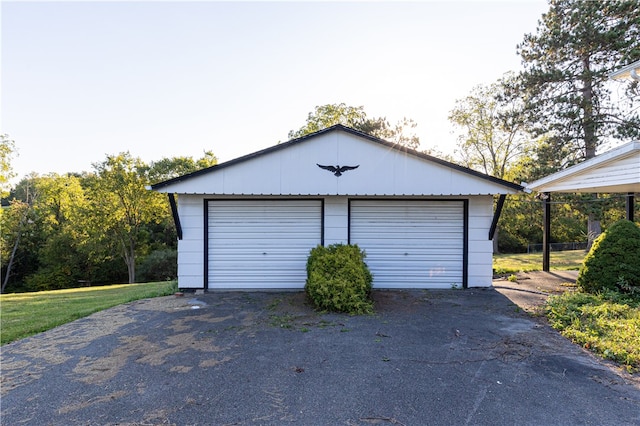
pixel 81 80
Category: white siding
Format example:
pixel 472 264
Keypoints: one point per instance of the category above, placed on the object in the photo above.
pixel 261 243
pixel 410 244
pixel 480 251
pixel 191 246
pixel 336 226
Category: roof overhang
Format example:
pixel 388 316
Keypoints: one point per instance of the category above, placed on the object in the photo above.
pixel 631 71
pixel 617 170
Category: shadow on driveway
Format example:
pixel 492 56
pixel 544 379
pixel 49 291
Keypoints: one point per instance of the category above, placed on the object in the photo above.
pixel 425 357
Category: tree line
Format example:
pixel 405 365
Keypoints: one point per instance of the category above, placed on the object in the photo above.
pixel 560 109
pixel 98 227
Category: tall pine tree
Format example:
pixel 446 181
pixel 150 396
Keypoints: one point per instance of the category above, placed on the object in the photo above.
pixel 566 66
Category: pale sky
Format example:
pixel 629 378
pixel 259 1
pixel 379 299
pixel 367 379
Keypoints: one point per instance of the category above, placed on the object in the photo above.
pixel 81 80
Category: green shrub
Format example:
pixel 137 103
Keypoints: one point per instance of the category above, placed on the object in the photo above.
pixel 339 280
pixel 52 278
pixel 613 263
pixel 160 265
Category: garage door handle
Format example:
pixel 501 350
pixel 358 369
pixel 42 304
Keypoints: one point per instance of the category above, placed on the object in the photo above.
pixel 264 253
pixel 406 254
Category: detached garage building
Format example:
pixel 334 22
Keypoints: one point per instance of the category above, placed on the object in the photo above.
pixel 250 223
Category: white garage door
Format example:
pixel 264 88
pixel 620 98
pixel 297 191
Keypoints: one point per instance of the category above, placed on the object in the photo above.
pixel 261 243
pixel 410 244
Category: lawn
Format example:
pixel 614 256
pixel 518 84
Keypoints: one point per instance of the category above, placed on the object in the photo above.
pixel 526 262
pixel 25 314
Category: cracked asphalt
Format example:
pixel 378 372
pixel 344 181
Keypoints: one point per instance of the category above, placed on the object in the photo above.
pixel 464 357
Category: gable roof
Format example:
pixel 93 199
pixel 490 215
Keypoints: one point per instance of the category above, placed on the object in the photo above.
pixel 181 184
pixel 617 170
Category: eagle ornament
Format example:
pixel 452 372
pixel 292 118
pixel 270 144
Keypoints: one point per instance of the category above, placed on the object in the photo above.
pixel 337 170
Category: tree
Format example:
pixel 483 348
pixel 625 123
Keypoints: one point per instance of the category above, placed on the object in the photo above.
pixel 41 228
pixel 121 205
pixel 167 168
pixel 325 116
pixel 565 80
pixel 7 151
pixel 493 134
pixel 567 62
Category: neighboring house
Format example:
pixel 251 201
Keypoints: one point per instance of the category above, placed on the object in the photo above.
pixel 250 223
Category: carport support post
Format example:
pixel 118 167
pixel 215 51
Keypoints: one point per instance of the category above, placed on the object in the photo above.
pixel 630 206
pixel 546 234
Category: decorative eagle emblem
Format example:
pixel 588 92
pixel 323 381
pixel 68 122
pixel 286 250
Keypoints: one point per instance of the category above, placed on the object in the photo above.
pixel 337 170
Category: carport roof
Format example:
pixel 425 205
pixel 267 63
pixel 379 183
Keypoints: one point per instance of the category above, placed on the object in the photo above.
pixel 617 170
pixel 630 71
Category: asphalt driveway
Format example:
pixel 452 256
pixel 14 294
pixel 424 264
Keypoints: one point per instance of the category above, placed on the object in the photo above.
pixel 426 357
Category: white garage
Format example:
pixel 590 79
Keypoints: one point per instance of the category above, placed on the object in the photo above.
pixel 250 223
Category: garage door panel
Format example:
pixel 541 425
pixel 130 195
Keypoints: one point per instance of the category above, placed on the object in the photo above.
pixel 261 243
pixel 410 243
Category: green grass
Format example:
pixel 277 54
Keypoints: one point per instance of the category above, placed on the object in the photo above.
pixel 525 262
pixel 25 314
pixel 606 324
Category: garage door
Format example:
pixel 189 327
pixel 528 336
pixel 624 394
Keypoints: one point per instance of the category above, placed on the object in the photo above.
pixel 261 243
pixel 410 244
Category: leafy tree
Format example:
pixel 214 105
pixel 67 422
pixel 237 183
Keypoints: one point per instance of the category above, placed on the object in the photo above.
pixel 18 244
pixel 42 229
pixel 325 116
pixel 167 168
pixel 121 206
pixel 7 150
pixel 162 234
pixel 58 211
pixel 567 61
pixel 492 133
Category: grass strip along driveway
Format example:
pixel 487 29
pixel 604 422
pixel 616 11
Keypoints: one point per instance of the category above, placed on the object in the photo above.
pixel 25 314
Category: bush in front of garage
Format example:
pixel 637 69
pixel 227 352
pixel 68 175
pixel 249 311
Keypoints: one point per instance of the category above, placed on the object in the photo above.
pixel 613 263
pixel 339 280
